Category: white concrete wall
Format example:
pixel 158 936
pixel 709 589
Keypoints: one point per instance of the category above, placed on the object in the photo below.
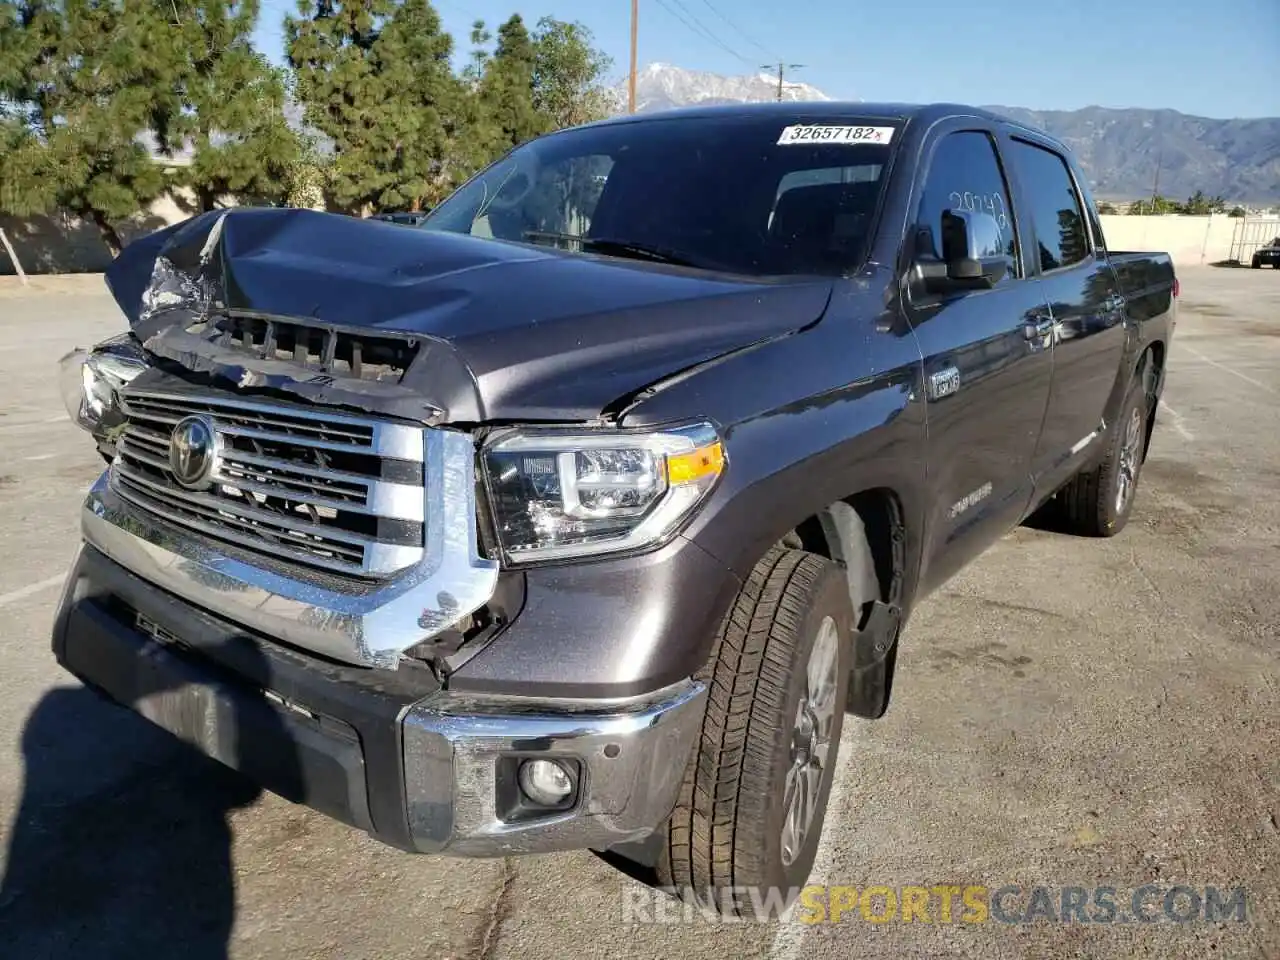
pixel 1190 240
pixel 61 243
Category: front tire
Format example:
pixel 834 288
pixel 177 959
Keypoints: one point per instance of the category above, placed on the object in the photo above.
pixel 754 798
pixel 1097 503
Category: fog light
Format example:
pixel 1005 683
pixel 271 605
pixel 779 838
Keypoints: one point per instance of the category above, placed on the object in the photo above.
pixel 545 782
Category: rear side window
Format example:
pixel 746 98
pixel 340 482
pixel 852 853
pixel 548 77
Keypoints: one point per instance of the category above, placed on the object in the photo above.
pixel 867 173
pixel 1056 210
pixel 965 174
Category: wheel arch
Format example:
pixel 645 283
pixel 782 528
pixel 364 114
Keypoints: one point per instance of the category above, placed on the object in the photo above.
pixel 870 524
pixel 865 534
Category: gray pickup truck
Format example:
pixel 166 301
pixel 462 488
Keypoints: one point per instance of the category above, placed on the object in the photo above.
pixel 582 513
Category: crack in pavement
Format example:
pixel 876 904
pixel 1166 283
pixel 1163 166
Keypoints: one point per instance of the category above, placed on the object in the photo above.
pixel 498 913
pixel 1151 584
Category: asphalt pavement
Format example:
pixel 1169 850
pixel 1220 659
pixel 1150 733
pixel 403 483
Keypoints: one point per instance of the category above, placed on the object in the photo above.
pixel 1072 714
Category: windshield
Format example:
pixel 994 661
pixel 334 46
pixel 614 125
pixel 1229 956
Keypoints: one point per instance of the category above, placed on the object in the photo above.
pixel 753 195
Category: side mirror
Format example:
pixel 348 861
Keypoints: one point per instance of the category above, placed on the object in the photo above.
pixel 973 254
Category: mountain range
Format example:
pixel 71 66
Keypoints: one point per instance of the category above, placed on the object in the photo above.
pixel 1119 149
pixel 662 86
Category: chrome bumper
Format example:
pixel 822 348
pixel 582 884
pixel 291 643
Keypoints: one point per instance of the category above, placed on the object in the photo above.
pixel 365 623
pixel 420 768
pixel 632 759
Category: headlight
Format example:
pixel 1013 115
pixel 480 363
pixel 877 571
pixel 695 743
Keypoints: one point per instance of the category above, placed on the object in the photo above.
pixel 557 495
pixel 89 379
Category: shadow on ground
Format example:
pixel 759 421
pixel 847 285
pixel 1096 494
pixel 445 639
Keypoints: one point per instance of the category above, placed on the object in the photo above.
pixel 121 846
pixel 66 244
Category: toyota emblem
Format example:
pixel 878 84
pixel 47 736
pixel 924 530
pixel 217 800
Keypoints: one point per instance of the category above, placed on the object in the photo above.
pixel 193 452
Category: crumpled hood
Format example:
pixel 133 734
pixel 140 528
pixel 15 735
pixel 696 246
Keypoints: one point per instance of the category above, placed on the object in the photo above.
pixel 504 331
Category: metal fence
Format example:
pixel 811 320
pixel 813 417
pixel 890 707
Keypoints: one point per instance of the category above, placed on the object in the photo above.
pixel 1251 234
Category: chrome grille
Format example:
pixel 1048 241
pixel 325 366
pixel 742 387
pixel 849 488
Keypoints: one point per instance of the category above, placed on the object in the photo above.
pixel 332 491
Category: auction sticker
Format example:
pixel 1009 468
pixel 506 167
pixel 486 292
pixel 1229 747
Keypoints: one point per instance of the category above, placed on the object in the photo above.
pixel 830 133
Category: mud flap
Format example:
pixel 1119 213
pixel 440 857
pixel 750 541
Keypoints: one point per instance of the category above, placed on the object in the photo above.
pixel 1153 386
pixel 875 652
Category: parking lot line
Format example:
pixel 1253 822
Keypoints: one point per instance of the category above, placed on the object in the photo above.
pixel 29 590
pixel 789 941
pixel 1222 366
pixel 1175 421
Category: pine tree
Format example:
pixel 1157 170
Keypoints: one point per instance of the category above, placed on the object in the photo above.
pixel 473 72
pixel 332 52
pixel 234 121
pixel 84 83
pixel 506 90
pixel 412 58
pixel 472 138
pixel 374 76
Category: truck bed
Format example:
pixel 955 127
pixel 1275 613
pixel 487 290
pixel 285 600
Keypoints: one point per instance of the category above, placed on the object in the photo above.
pixel 1140 272
pixel 1146 280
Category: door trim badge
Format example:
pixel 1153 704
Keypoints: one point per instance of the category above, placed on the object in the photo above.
pixel 943 383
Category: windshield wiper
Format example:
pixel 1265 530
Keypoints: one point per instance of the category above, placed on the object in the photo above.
pixel 642 251
pixel 536 235
pixel 610 246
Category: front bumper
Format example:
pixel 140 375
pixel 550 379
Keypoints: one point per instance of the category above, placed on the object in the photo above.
pixel 391 753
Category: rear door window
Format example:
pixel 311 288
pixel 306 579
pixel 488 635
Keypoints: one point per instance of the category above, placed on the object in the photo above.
pixel 1056 209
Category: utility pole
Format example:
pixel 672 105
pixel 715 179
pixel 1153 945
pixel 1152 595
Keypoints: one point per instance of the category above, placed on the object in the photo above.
pixel 631 81
pixel 781 68
pixel 1155 187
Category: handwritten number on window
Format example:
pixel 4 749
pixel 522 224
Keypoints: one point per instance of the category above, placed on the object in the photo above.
pixel 992 203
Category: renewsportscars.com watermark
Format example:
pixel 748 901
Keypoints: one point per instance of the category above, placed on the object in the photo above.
pixel 938 903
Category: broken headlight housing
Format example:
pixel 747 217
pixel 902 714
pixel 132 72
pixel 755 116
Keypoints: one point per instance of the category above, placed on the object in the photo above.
pixel 558 495
pixel 91 379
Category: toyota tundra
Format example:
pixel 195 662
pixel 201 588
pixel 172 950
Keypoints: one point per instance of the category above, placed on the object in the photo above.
pixel 579 515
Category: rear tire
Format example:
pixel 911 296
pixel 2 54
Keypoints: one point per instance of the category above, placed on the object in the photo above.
pixel 1097 502
pixel 777 679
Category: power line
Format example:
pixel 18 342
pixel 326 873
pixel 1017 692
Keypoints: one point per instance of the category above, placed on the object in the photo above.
pixel 782 68
pixel 707 32
pixel 737 29
pixel 681 13
pixel 459 8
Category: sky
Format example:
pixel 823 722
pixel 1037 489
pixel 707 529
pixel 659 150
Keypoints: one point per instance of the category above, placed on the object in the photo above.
pixel 1212 58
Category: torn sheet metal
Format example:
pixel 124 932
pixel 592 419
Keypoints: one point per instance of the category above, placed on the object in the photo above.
pixel 232 366
pixel 178 283
pixel 298 302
